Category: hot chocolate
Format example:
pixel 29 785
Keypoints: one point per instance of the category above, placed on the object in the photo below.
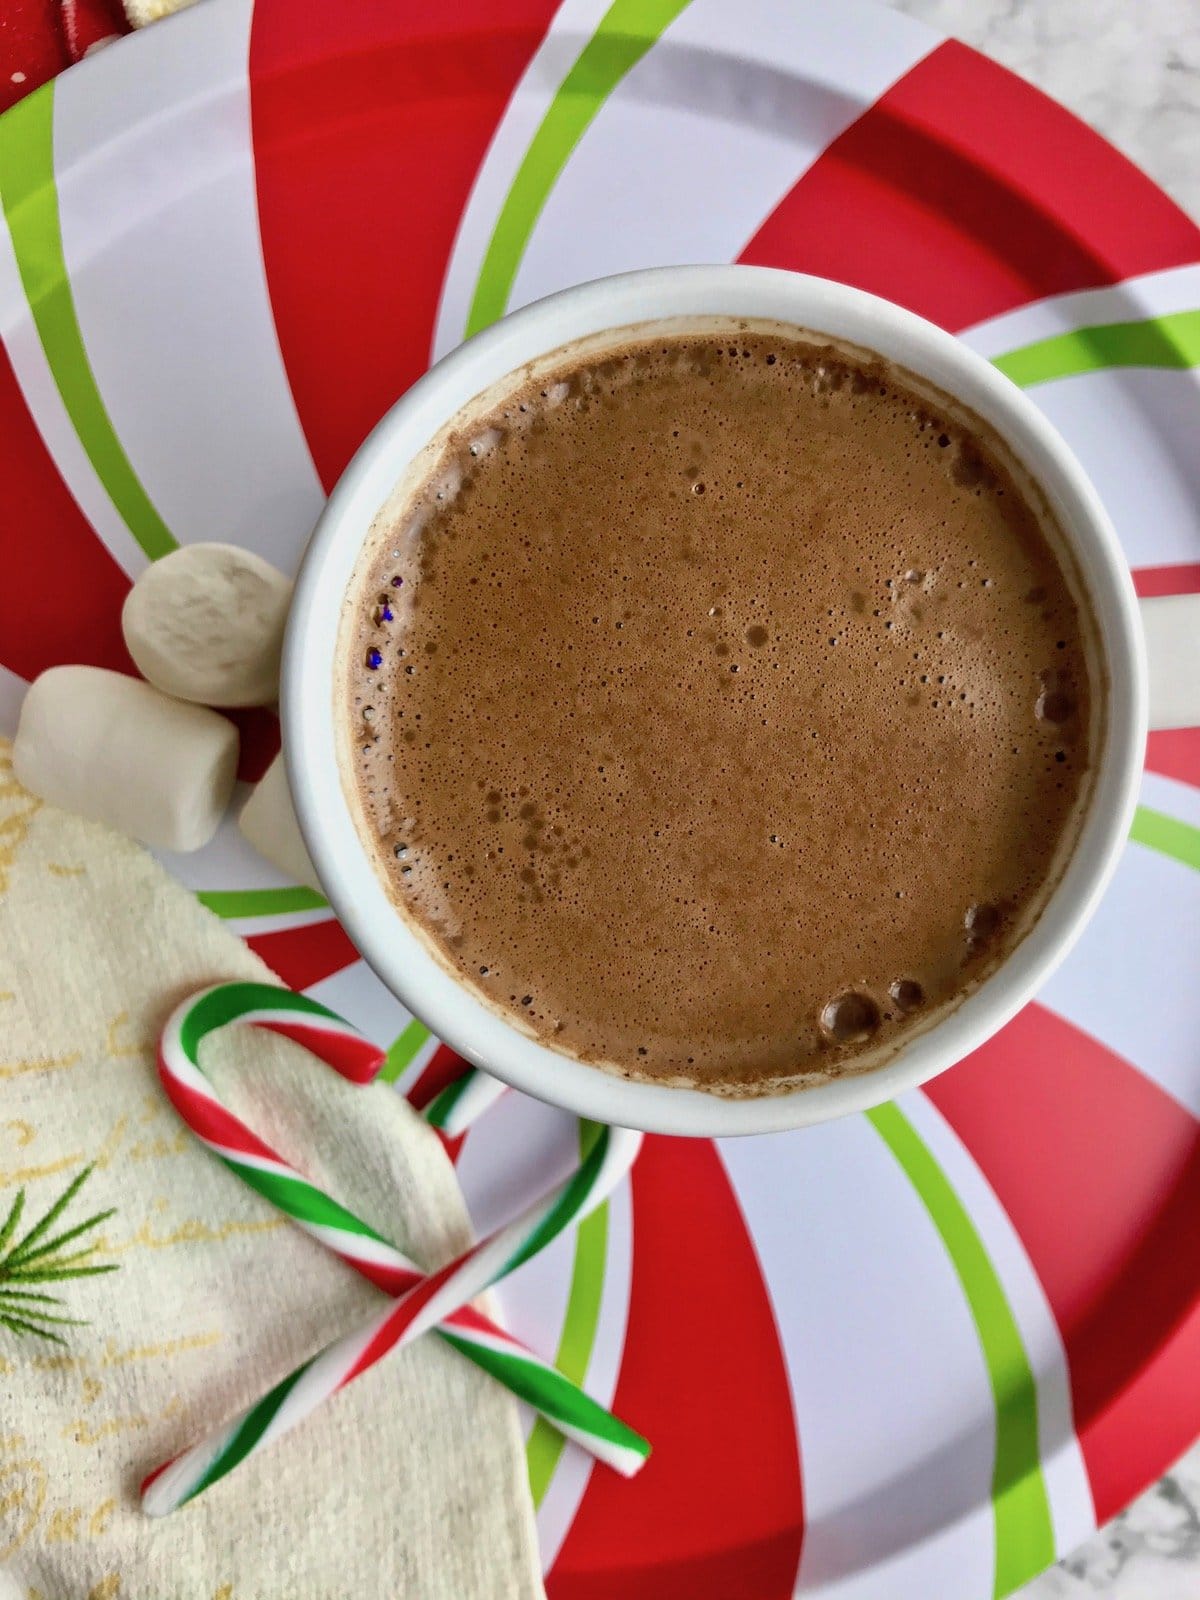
pixel 718 708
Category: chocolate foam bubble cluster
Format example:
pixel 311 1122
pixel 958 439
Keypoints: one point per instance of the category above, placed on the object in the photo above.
pixel 718 708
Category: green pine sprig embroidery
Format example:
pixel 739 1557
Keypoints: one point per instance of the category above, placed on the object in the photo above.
pixel 38 1259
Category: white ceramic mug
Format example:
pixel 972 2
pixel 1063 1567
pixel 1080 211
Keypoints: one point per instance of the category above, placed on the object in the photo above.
pixel 1165 676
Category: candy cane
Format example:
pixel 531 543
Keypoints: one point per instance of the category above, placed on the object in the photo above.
pixel 463 1102
pixel 436 1298
pixel 334 1041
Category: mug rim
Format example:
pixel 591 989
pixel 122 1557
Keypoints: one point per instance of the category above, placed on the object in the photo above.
pixel 355 891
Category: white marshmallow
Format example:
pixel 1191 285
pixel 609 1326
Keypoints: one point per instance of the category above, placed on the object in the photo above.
pixel 206 624
pixel 115 749
pixel 268 821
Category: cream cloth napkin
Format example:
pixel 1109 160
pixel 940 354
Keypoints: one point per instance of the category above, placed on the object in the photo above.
pixel 411 1483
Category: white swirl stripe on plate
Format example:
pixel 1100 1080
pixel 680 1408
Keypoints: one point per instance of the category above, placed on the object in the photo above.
pixel 892 1401
pixel 342 1047
pixel 253 927
pixel 1113 369
pixel 441 1296
pixel 788 81
pixel 1149 296
pixel 221 456
pixel 574 23
pixel 1063 1472
pixel 1141 415
pixel 41 395
pixel 887 1289
pixel 228 863
pixel 1137 994
pixel 694 192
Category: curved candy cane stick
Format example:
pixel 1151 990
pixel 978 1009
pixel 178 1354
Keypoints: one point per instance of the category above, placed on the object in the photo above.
pixel 463 1102
pixel 437 1297
pixel 334 1041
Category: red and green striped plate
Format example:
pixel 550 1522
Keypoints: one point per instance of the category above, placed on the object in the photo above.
pixel 911 1354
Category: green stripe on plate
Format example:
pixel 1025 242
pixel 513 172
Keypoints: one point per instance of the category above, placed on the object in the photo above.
pixel 1169 341
pixel 30 202
pixel 580 1324
pixel 625 32
pixel 261 902
pixel 1021 1509
pixel 403 1048
pixel 1167 835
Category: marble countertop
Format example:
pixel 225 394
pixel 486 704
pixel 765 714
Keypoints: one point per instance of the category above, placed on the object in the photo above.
pixel 1129 67
pixel 1132 69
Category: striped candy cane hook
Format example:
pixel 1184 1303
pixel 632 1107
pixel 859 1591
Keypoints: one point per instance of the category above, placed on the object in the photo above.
pixel 463 1102
pixel 342 1047
pixel 434 1299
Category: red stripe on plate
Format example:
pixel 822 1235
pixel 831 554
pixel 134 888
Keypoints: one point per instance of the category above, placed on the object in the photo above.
pixel 258 740
pixel 1100 1172
pixel 61 592
pixel 964 192
pixel 1175 754
pixel 717 1511
pixel 32 49
pixel 304 956
pixel 1150 582
pixel 369 125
